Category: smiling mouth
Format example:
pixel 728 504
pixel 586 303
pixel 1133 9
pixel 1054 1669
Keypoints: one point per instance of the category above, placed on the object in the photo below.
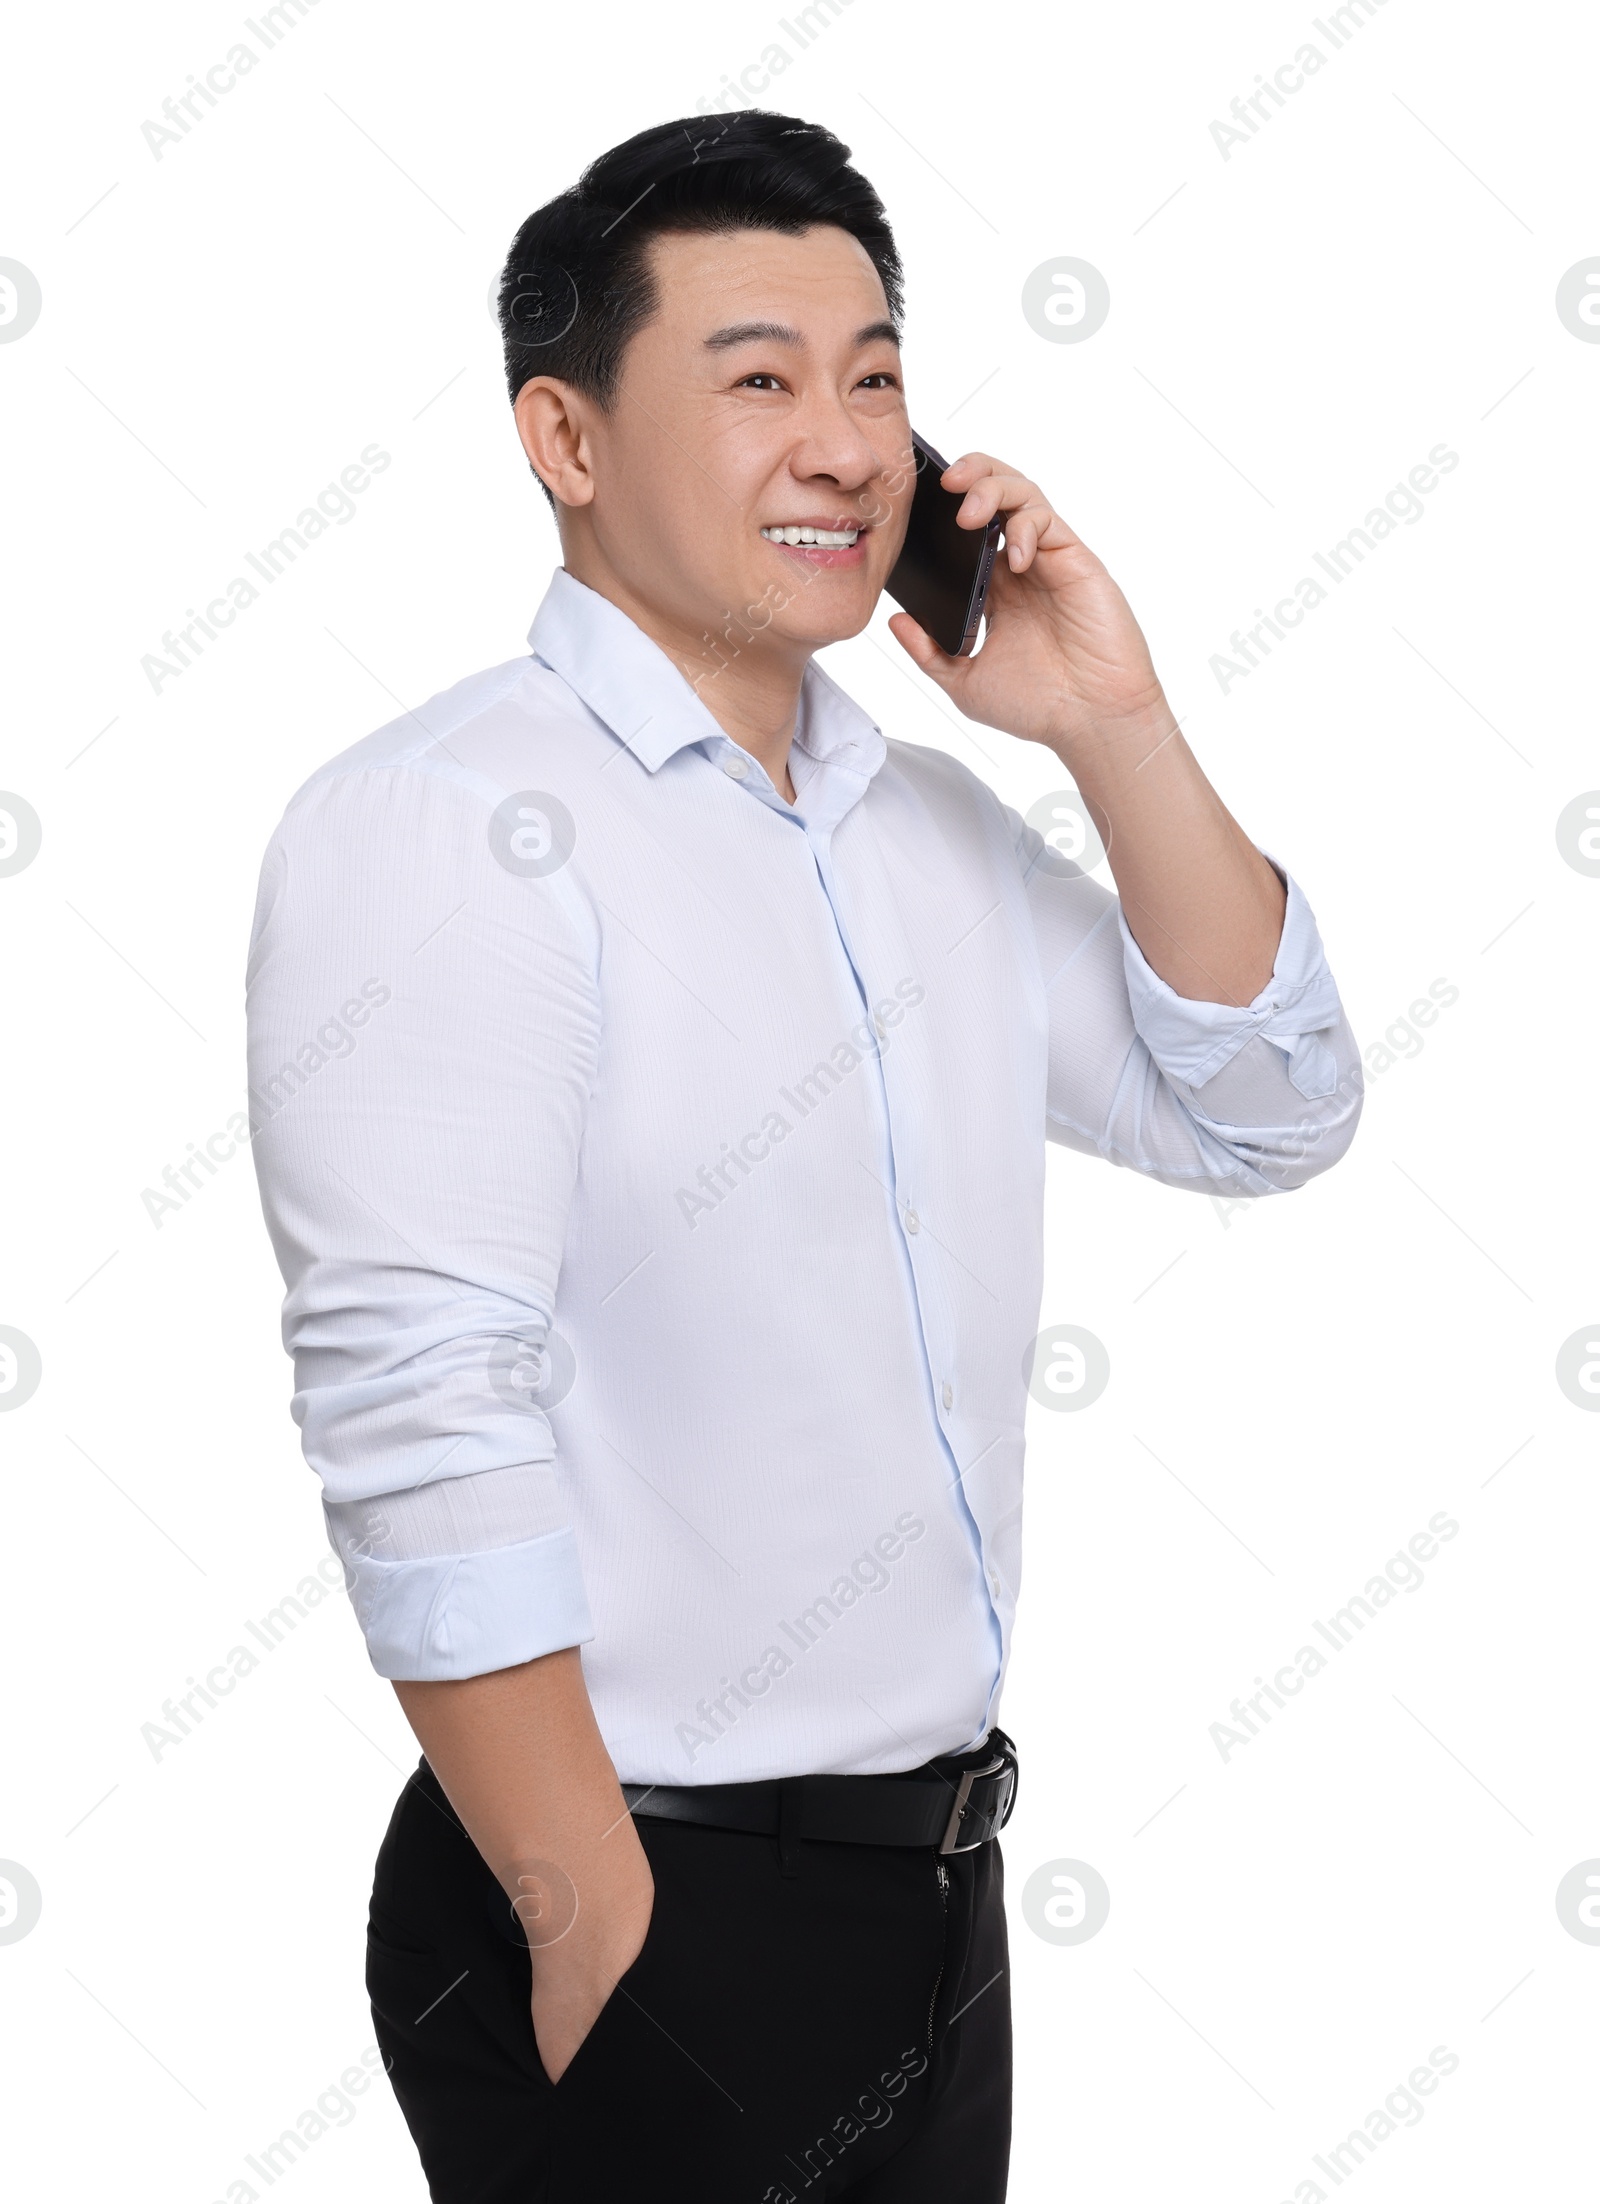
pixel 826 539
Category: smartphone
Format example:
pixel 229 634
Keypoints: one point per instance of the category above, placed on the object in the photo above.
pixel 942 574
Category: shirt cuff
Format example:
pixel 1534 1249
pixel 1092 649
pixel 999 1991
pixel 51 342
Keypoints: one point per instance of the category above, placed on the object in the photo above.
pixel 1298 1010
pixel 465 1614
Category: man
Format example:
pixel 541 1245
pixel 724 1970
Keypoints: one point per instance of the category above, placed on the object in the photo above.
pixel 663 1248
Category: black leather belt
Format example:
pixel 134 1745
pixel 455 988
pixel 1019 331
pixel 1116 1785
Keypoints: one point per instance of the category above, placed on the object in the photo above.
pixel 948 1803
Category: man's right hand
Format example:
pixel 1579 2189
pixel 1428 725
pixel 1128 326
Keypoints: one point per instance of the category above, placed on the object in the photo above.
pixel 523 1764
pixel 583 1938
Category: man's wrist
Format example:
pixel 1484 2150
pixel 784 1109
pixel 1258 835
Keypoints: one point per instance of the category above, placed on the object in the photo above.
pixel 1106 748
pixel 586 1874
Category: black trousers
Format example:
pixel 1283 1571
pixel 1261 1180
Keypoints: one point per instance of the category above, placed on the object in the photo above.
pixel 841 2031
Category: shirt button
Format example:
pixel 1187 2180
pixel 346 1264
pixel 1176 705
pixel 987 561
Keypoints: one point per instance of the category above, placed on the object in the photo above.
pixel 948 1395
pixel 735 766
pixel 994 1582
pixel 913 1221
pixel 879 1028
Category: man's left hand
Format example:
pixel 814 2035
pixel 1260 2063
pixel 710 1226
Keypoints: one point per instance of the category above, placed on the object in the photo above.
pixel 1063 660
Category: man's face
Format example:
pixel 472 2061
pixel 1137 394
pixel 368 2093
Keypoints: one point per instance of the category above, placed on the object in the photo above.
pixel 764 394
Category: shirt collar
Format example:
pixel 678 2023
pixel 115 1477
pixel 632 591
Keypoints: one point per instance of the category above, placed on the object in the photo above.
pixel 631 684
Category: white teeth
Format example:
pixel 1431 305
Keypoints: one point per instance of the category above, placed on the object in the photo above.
pixel 832 539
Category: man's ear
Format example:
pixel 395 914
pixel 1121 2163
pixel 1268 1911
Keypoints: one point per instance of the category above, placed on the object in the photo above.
pixel 550 421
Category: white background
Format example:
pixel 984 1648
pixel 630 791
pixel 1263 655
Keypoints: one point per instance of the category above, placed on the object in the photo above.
pixel 1295 1389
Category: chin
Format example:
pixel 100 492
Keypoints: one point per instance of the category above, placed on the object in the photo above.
pixel 820 624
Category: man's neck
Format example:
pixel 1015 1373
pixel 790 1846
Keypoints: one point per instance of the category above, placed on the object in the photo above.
pixel 750 687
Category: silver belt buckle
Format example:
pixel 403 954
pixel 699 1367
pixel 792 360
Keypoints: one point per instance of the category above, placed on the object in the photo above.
pixel 969 1776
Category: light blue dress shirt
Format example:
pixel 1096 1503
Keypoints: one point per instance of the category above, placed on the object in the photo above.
pixel 656 1171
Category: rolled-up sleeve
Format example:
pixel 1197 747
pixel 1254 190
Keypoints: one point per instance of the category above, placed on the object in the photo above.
pixel 1215 1097
pixel 423 1029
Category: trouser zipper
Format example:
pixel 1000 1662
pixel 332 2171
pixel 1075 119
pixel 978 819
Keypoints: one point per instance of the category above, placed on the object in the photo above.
pixel 942 1873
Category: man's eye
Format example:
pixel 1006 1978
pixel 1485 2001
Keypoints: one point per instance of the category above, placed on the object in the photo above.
pixel 765 381
pixel 882 378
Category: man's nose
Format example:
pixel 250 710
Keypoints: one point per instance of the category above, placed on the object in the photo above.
pixel 833 445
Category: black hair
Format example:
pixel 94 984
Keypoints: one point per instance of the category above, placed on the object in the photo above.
pixel 577 284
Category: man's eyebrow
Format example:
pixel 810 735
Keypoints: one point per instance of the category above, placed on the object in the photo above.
pixel 779 332
pixel 755 332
